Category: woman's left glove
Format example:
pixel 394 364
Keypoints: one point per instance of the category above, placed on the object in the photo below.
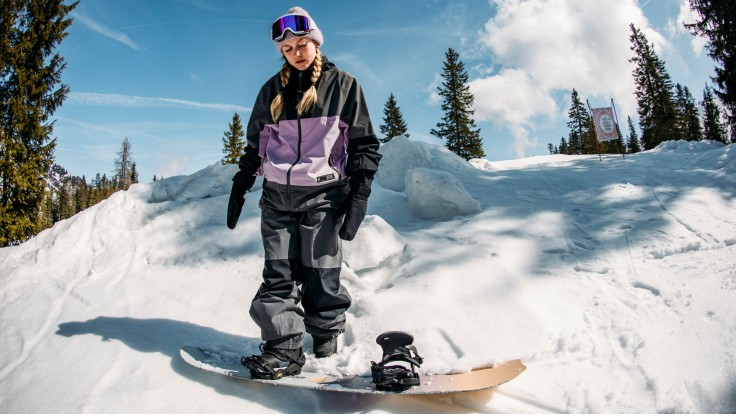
pixel 242 182
pixel 354 207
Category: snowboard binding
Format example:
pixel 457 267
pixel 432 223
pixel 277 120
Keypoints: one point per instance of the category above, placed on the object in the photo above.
pixel 274 363
pixel 396 347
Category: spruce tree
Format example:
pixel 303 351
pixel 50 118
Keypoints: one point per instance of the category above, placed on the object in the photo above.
pixel 124 165
pixel 81 195
pixel 457 127
pixel 133 173
pixel 688 118
pixel 393 122
pixel 232 141
pixel 713 128
pixel 30 92
pixel 632 142
pixel 581 139
pixel 718 23
pixel 564 148
pixel 656 108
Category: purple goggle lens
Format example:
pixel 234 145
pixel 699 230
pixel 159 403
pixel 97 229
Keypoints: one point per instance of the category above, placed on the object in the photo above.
pixel 297 24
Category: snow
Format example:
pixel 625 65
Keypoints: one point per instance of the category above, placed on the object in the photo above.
pixel 614 281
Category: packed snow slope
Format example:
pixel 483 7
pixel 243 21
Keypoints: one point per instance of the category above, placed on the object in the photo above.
pixel 613 280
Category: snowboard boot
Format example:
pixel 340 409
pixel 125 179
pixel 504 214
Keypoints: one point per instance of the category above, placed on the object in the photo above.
pixel 275 363
pixel 324 347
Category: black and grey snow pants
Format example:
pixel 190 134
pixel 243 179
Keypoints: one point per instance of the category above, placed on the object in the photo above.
pixel 302 266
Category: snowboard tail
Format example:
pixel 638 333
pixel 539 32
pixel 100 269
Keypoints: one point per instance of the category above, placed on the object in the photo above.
pixel 477 379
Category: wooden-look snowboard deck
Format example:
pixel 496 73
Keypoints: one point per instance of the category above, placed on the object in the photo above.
pixel 477 379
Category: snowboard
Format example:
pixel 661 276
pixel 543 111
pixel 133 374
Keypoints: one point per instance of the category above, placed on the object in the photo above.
pixel 228 364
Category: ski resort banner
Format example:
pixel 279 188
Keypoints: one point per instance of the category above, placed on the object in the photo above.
pixel 605 126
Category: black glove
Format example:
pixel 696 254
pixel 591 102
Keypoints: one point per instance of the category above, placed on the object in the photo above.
pixel 354 207
pixel 242 182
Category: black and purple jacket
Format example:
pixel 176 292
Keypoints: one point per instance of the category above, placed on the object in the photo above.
pixel 312 160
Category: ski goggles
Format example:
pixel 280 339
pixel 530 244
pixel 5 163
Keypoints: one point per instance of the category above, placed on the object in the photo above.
pixel 294 23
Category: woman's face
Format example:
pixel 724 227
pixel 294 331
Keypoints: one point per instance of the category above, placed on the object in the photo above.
pixel 300 52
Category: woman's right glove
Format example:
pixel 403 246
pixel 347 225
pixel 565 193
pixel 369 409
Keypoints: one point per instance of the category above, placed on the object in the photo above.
pixel 242 182
pixel 354 207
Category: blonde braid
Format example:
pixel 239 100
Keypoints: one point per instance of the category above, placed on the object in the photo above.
pixel 310 97
pixel 277 105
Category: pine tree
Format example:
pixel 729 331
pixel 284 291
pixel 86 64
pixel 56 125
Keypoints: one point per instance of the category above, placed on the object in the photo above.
pixel 232 141
pixel 457 127
pixel 581 139
pixel 393 122
pixel 688 118
pixel 564 148
pixel 30 92
pixel 632 142
pixel 713 128
pixel 124 165
pixel 657 113
pixel 133 173
pixel 718 23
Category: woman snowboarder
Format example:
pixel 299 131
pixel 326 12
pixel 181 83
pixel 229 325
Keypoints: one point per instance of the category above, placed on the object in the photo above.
pixel 310 136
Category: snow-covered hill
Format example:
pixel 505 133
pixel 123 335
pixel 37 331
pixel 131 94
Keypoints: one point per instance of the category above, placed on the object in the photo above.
pixel 613 280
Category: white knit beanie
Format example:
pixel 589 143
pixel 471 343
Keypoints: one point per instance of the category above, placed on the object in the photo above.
pixel 315 34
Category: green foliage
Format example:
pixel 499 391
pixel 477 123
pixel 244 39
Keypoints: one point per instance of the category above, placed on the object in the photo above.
pixel 30 92
pixel 713 127
pixel 393 122
pixel 656 108
pixel 457 127
pixel 718 23
pixel 581 139
pixel 232 141
pixel 688 117
pixel 632 141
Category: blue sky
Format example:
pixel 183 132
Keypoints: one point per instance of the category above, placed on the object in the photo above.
pixel 170 74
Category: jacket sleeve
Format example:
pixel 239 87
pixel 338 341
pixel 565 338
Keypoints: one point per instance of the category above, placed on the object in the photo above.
pixel 363 156
pixel 260 116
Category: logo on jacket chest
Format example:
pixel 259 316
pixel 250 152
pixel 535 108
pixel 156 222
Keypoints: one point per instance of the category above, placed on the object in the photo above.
pixel 325 178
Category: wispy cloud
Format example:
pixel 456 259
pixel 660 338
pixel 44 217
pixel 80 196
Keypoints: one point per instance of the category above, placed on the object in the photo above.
pixel 106 31
pixel 132 101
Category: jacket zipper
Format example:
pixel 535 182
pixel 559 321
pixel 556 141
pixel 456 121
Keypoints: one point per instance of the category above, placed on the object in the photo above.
pixel 298 145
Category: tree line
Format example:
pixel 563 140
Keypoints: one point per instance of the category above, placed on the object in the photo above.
pixel 67 195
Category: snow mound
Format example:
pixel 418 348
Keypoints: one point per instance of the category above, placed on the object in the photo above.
pixel 363 252
pixel 483 164
pixel 401 155
pixel 437 195
pixel 427 173
pixel 685 146
pixel 209 182
pixel 612 280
